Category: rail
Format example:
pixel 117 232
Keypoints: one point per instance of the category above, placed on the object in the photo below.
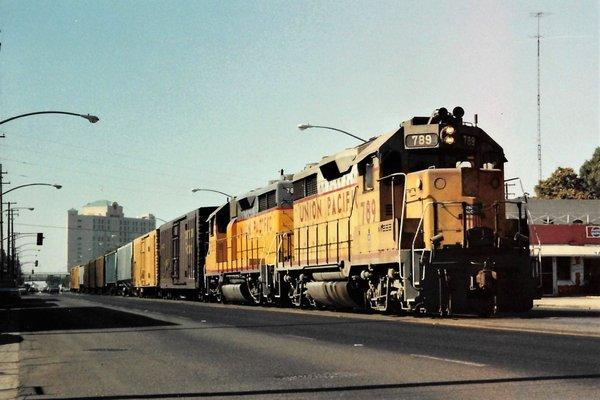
pixel 425 249
pixel 301 251
pixel 334 250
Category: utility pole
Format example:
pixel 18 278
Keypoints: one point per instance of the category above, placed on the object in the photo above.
pixel 13 252
pixel 2 266
pixel 8 244
pixel 539 15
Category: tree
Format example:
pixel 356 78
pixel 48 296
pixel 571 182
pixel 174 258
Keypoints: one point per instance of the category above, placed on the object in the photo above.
pixel 590 174
pixel 562 184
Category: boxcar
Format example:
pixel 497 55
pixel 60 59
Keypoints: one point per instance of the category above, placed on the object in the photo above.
pixel 90 277
pixel 80 273
pixel 124 255
pixel 99 269
pixel 182 244
pixel 74 278
pixel 110 272
pixel 144 269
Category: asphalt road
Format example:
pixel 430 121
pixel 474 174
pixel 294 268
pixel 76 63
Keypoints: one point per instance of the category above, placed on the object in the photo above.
pixel 101 347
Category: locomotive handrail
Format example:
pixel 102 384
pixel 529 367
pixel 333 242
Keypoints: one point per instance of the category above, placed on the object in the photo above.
pixel 401 230
pixel 299 250
pixel 415 239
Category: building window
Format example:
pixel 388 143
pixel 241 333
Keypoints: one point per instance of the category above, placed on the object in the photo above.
pixel 563 268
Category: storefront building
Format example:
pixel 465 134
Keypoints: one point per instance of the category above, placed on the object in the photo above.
pixel 570 258
pixel 565 236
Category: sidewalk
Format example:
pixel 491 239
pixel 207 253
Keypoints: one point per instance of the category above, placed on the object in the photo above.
pixel 9 366
pixel 591 303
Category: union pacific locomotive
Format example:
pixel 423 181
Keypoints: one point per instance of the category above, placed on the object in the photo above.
pixel 413 220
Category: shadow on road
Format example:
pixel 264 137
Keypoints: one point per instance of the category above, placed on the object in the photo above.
pixel 274 392
pixel 29 302
pixel 549 313
pixel 75 318
pixel 9 339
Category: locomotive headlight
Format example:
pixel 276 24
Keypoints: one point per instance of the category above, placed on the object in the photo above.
pixel 447 134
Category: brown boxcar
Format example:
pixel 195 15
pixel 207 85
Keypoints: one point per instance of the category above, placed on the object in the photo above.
pixel 144 269
pixel 182 244
pixel 99 270
pixel 74 279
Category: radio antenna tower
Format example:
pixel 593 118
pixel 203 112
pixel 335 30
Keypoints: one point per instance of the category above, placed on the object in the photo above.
pixel 539 15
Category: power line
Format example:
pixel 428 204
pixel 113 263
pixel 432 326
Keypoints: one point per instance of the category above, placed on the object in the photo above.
pixel 74 229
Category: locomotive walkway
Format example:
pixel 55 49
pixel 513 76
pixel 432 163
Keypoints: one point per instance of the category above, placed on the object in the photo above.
pixel 88 347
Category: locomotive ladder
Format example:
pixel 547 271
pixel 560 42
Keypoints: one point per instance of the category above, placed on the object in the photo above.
pixel 385 296
pixel 423 257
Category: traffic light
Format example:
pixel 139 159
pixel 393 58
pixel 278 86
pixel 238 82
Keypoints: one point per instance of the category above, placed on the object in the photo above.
pixel 36 263
pixel 40 239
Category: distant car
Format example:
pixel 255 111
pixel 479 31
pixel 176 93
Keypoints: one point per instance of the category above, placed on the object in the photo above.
pixel 33 289
pixel 52 289
pixel 23 290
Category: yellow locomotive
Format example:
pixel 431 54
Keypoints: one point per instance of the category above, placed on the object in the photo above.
pixel 242 242
pixel 411 220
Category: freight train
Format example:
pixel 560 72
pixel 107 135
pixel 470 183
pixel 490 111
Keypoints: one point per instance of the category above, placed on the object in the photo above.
pixel 410 221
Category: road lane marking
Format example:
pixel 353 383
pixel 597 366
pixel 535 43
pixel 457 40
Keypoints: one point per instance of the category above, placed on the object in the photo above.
pixel 300 337
pixel 474 364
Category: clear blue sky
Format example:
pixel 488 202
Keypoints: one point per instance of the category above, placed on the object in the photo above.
pixel 209 93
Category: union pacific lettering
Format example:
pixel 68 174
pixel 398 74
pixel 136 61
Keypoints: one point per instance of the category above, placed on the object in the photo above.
pixel 257 226
pixel 332 205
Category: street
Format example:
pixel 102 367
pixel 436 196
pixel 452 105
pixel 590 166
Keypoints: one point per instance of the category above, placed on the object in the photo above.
pixel 87 347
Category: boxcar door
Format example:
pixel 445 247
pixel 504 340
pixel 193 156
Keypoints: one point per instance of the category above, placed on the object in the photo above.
pixel 175 252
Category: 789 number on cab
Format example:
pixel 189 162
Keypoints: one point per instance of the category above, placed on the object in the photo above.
pixel 421 140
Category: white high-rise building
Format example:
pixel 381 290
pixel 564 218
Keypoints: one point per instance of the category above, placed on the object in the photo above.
pixel 100 227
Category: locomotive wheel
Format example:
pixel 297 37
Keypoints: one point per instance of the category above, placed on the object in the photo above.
pixel 488 308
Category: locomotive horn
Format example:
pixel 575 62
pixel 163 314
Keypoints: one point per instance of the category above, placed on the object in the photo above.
pixel 441 114
pixel 458 112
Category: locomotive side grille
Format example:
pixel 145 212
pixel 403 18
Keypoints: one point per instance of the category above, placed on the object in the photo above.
pixel 271 199
pixel 299 189
pixel 262 202
pixel 311 185
pixel 386 227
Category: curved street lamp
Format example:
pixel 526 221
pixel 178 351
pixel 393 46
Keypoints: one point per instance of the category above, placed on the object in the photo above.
pixel 32 184
pixel 20 253
pixel 21 208
pixel 211 190
pixel 308 126
pixel 25 244
pixel 92 118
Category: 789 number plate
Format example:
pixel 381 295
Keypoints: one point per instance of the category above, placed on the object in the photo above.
pixel 421 140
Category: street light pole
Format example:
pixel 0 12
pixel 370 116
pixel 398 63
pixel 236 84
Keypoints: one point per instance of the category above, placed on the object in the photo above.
pixel 308 126
pixel 91 118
